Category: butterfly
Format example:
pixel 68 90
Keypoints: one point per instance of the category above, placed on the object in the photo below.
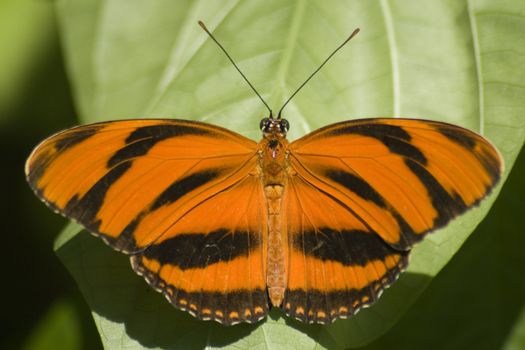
pixel 226 227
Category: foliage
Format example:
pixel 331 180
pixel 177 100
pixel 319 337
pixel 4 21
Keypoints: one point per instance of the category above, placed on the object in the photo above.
pixel 460 62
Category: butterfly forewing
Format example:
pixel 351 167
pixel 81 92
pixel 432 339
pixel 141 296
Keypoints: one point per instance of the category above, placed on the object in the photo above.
pixel 404 177
pixel 120 179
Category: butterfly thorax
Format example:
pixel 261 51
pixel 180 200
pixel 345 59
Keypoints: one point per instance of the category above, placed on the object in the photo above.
pixel 274 163
pixel 273 153
pixel 273 150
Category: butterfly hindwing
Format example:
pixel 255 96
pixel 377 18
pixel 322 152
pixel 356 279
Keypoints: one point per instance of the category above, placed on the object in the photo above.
pixel 337 263
pixel 211 262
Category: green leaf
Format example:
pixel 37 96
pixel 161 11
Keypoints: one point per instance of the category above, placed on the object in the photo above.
pixel 476 300
pixel 461 63
pixel 516 340
pixel 26 31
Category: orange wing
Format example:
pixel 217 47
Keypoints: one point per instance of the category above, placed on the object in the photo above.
pixel 362 194
pixel 182 198
pixel 337 263
pixel 211 262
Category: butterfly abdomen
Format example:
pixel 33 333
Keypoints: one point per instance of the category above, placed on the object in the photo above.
pixel 276 257
pixel 274 173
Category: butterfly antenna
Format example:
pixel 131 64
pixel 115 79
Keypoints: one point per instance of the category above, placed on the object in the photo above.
pixel 354 33
pixel 231 60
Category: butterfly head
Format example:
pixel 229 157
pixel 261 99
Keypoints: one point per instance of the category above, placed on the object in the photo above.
pixel 274 127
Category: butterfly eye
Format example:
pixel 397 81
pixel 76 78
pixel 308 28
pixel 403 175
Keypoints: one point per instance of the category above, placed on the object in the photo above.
pixel 264 124
pixel 284 126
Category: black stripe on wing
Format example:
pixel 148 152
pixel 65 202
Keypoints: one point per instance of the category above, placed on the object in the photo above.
pixel 348 247
pixel 179 188
pixel 227 307
pixel 140 141
pixel 394 137
pixel 198 250
pixel 324 307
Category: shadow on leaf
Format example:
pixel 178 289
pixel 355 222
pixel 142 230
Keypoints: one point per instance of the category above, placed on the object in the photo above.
pixel 116 294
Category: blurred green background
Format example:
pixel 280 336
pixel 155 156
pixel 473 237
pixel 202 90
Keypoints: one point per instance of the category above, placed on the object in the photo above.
pixel 42 306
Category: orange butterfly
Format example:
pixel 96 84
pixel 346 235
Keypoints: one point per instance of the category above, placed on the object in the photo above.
pixel 225 227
